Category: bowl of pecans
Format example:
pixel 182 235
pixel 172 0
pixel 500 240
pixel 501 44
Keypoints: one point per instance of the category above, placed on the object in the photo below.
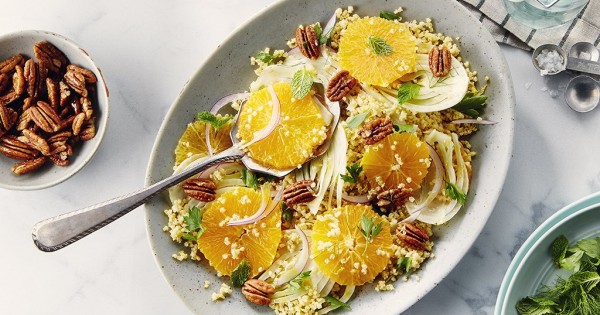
pixel 53 109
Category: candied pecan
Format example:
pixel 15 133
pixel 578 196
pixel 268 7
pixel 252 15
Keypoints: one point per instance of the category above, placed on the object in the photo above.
pixel 86 107
pixel 19 80
pixel 88 75
pixel 258 291
pixel 15 149
pixel 76 81
pixel 24 120
pixel 7 117
pixel 78 123
pixel 65 93
pixel 54 59
pixel 60 159
pixel 299 192
pixel 4 82
pixel 9 98
pixel 376 130
pixel 440 61
pixel 307 41
pixel 8 65
pixel 53 93
pixel 44 116
pixel 35 141
pixel 340 85
pixel 88 131
pixel 31 77
pixel 201 189
pixel 393 197
pixel 412 236
pixel 28 165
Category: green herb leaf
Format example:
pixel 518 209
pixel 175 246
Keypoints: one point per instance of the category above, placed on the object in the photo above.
pixel 354 171
pixel 318 30
pixel 301 83
pixel 559 249
pixel 573 261
pixel 241 273
pixel 388 15
pixel 407 92
pixel 455 193
pixel 528 306
pixel 215 121
pixel 591 246
pixel 380 46
pixel 193 222
pixel 368 228
pixel 297 282
pixel 286 213
pixel 404 128
pixel 249 179
pixel 404 265
pixel 335 302
pixel 264 57
pixel 189 237
pixel 355 121
pixel 586 279
pixel 471 104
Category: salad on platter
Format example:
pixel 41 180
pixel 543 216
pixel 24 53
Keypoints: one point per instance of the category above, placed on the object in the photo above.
pixel 398 163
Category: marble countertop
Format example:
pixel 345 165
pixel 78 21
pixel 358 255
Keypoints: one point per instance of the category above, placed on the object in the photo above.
pixel 147 50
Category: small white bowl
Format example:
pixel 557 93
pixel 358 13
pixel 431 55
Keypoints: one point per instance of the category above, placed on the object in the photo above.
pixel 22 43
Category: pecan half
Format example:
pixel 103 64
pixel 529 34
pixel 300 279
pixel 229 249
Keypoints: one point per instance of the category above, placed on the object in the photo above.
pixel 86 107
pixel 8 117
pixel 200 189
pixel 4 82
pixel 258 291
pixel 375 130
pixel 299 192
pixel 88 75
pixel 307 41
pixel 412 236
pixel 62 158
pixel 88 131
pixel 53 58
pixel 8 65
pixel 28 165
pixel 65 93
pixel 340 85
pixel 44 116
pixel 393 198
pixel 440 61
pixel 31 77
pixel 15 149
pixel 76 81
pixel 53 93
pixel 35 141
pixel 78 123
pixel 19 80
pixel 9 98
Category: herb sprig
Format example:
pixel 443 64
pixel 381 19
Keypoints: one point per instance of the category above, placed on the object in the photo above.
pixel 298 281
pixel 335 302
pixel 193 222
pixel 215 121
pixel 355 121
pixel 456 193
pixel 380 46
pixel 471 104
pixel 368 229
pixel 301 83
pixel 249 179
pixel 407 92
pixel 241 273
pixel 354 171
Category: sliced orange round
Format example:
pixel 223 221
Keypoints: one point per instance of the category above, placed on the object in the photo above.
pixel 342 251
pixel 300 131
pixel 377 51
pixel 226 246
pixel 193 141
pixel 399 160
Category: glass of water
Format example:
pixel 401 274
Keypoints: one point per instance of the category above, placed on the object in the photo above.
pixel 540 14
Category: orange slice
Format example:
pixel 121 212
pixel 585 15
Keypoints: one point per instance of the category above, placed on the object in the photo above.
pixel 399 160
pixel 357 55
pixel 301 129
pixel 226 246
pixel 193 141
pixel 340 249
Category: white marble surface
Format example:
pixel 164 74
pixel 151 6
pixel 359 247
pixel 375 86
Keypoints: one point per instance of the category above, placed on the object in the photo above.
pixel 147 50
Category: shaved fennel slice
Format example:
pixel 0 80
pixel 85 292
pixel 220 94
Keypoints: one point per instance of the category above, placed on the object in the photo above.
pixel 327 288
pixel 176 192
pixel 281 261
pixel 437 94
pixel 300 264
pixel 462 176
pixel 348 292
pixel 427 194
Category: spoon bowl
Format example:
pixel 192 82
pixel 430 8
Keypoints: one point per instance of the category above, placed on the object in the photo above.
pixel 582 93
pixel 585 51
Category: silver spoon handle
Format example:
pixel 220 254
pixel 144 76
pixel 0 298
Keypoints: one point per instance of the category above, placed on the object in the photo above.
pixel 583 65
pixel 58 232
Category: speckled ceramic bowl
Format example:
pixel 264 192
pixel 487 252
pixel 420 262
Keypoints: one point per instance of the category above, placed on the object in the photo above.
pixel 272 28
pixel 22 43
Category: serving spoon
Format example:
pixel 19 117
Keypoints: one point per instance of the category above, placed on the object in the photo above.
pixel 58 232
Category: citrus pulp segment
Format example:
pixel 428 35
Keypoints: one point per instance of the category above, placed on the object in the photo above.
pixel 342 252
pixel 226 246
pixel 358 56
pixel 193 140
pixel 399 160
pixel 301 128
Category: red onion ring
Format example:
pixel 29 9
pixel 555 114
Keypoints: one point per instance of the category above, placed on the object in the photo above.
pixel 215 110
pixel 361 199
pixel 273 123
pixel 437 187
pixel 474 121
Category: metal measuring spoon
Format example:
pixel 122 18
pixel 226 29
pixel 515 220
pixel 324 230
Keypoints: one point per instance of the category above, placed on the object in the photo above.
pixel 583 93
pixel 58 232
pixel 572 61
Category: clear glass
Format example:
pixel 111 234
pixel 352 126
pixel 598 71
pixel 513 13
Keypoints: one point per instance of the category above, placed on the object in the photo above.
pixel 533 14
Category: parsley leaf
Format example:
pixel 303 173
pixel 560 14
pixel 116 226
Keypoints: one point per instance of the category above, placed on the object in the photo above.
pixel 404 128
pixel 354 171
pixel 193 222
pixel 335 302
pixel 368 228
pixel 297 282
pixel 380 46
pixel 264 57
pixel 404 264
pixel 249 179
pixel 241 273
pixel 471 104
pixel 301 83
pixel 388 15
pixel 455 193
pixel 286 213
pixel 355 121
pixel 318 30
pixel 215 121
pixel 407 92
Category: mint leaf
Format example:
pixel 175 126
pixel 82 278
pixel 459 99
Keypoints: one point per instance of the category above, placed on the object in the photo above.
pixel 241 273
pixel 249 179
pixel 591 246
pixel 527 306
pixel 573 261
pixel 404 128
pixel 354 171
pixel 455 193
pixel 355 121
pixel 297 282
pixel 404 264
pixel 264 57
pixel 559 249
pixel 335 302
pixel 301 83
pixel 407 92
pixel 388 15
pixel 193 222
pixel 318 30
pixel 380 46
pixel 215 121
pixel 368 228
pixel 471 104
pixel 586 279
